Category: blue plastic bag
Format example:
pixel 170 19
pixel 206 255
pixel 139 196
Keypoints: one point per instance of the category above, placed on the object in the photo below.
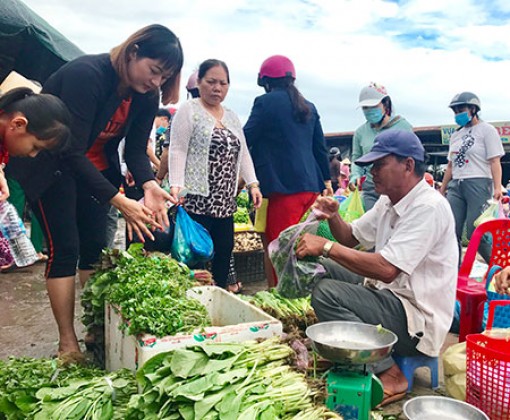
pixel 191 243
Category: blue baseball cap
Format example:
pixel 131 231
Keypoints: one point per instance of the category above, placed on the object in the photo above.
pixel 394 142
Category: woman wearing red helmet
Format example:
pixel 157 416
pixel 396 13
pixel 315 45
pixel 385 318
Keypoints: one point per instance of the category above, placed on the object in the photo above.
pixel 287 145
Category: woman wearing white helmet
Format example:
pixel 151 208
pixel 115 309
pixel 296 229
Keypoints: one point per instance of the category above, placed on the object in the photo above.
pixel 287 144
pixel 378 110
pixel 473 174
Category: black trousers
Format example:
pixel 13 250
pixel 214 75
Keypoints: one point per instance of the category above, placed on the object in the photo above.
pixel 222 234
pixel 74 224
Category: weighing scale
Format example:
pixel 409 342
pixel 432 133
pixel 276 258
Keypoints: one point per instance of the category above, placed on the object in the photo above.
pixel 352 390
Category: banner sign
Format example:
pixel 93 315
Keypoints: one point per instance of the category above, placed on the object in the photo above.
pixel 503 128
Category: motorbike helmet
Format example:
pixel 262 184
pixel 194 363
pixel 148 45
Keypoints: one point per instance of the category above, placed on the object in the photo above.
pixel 275 67
pixel 465 98
pixel 192 81
pixel 334 152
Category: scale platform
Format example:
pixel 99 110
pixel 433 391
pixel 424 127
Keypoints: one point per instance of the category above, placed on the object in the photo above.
pixel 352 391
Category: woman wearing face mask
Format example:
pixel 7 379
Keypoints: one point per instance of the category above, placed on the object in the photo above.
pixel 473 174
pixel 378 110
pixel 110 97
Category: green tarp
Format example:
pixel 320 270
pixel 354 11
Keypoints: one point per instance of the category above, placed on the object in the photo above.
pixel 29 45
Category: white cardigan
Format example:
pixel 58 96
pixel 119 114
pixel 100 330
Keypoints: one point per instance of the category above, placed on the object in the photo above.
pixel 190 140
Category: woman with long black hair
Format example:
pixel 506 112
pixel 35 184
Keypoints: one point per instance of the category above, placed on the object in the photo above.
pixel 287 145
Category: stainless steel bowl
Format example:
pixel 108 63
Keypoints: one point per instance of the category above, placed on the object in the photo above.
pixel 351 342
pixel 432 408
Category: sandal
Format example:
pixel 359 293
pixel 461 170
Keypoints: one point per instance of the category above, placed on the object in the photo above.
pixel 235 288
pixel 41 258
pixel 67 358
pixel 4 269
pixel 390 397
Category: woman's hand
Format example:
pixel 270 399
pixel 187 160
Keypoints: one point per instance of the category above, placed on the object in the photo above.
pixel 156 198
pixel 137 216
pixel 502 282
pixel 4 188
pixel 327 206
pixel 175 195
pixel 256 197
pixel 498 192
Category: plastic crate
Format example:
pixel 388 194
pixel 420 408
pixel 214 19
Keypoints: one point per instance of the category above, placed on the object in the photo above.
pixel 488 370
pixel 233 319
pixel 250 266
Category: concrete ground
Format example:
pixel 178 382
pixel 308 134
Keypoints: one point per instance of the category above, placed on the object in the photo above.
pixel 27 327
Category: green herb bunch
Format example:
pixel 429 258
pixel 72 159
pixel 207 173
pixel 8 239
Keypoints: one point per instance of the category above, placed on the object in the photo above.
pixel 149 292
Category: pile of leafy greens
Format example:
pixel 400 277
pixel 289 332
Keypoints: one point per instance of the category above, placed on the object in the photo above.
pixel 102 398
pixel 21 379
pixel 149 292
pixel 227 381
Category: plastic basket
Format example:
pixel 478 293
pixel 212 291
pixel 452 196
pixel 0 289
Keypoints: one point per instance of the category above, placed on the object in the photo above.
pixel 488 370
pixel 250 266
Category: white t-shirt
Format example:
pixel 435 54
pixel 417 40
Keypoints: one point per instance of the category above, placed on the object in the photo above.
pixel 417 235
pixel 471 148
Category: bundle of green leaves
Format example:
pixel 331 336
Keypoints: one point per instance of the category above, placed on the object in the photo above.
pixel 102 398
pixel 149 292
pixel 243 200
pixel 227 381
pixel 21 378
pixel 295 314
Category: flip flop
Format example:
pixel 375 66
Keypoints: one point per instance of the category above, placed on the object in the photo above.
pixel 67 358
pixel 390 397
pixel 41 258
pixel 238 287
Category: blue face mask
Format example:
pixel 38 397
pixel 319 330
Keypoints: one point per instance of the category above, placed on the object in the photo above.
pixel 160 130
pixel 373 115
pixel 463 118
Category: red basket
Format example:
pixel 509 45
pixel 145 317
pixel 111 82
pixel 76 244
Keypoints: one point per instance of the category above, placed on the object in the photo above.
pixel 488 371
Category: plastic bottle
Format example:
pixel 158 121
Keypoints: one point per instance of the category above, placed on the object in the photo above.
pixel 14 231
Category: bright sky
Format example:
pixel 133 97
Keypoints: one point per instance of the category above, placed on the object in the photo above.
pixel 423 51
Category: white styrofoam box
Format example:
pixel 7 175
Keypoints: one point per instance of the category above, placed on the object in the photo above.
pixel 233 320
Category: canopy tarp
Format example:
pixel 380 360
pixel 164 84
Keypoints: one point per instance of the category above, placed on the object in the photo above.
pixel 29 45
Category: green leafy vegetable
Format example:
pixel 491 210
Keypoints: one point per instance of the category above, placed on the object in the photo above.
pixel 227 381
pixel 150 293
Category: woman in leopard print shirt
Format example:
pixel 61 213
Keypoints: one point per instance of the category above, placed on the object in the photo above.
pixel 208 153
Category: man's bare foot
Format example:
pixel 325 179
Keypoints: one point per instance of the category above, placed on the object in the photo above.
pixel 394 384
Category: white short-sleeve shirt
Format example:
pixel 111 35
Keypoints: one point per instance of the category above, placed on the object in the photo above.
pixel 417 235
pixel 471 148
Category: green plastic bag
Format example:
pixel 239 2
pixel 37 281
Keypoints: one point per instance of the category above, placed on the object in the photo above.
pixel 352 208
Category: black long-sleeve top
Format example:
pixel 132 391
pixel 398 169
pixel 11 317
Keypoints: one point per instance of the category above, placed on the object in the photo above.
pixel 88 86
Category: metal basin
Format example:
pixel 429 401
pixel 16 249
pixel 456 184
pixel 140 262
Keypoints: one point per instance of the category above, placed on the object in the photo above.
pixel 433 408
pixel 351 342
